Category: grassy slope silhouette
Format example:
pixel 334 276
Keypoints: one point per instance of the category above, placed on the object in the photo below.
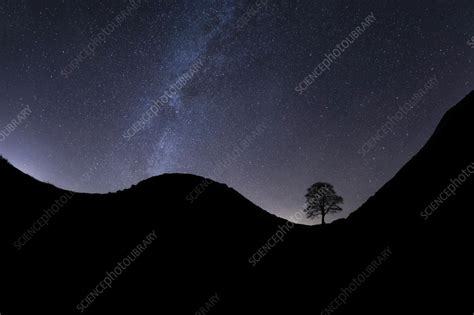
pixel 203 248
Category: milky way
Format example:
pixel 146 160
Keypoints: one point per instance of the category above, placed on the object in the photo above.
pixel 252 55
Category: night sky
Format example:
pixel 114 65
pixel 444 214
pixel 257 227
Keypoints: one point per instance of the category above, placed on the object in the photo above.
pixel 223 69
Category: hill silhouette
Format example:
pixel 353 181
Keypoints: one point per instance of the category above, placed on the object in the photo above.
pixel 208 247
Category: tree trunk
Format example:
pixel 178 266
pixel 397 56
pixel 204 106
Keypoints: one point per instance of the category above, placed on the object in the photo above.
pixel 323 213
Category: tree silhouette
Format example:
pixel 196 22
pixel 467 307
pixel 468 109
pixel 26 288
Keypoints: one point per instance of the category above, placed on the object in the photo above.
pixel 322 199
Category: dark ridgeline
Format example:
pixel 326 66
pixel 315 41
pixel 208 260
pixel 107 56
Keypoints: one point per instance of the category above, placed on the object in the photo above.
pixel 203 248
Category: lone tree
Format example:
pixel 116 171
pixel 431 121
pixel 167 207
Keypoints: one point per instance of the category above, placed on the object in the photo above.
pixel 322 199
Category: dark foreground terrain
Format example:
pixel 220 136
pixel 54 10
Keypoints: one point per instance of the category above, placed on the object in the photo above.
pixel 392 256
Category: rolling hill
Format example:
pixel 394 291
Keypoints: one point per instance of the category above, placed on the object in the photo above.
pixel 57 246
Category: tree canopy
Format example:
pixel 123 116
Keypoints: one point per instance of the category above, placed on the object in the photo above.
pixel 322 199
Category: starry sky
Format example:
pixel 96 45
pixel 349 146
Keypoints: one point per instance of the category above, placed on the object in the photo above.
pixel 252 55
